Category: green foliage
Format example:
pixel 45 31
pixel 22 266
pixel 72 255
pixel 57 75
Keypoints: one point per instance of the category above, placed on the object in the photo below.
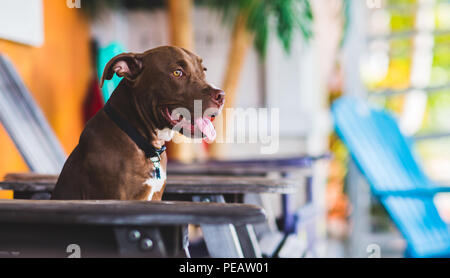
pixel 285 16
pixel 402 22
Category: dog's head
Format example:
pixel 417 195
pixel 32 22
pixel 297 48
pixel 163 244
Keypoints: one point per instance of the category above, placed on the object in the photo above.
pixel 169 84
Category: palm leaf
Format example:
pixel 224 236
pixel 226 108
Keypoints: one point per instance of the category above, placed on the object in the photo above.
pixel 285 16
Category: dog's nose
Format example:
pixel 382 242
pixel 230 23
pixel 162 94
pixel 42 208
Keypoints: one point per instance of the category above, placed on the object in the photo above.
pixel 218 96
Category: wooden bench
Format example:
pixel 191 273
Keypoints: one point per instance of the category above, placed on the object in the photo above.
pixel 39 228
pixel 298 211
pixel 252 167
pixel 30 183
pixel 185 188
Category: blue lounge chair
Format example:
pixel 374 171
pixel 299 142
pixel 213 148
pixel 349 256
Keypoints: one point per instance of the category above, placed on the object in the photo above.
pixel 384 157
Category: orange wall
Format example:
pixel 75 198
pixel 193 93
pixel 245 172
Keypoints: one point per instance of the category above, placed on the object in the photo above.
pixel 57 74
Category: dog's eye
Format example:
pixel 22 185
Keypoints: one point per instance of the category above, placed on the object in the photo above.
pixel 177 73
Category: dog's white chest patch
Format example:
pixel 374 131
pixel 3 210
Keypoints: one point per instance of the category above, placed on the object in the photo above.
pixel 155 184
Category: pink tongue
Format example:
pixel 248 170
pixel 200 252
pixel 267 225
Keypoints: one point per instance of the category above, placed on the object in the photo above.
pixel 207 128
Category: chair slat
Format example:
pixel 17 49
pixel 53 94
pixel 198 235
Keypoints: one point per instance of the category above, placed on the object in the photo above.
pixel 23 120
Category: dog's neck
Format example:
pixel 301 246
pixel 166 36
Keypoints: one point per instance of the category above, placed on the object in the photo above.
pixel 144 121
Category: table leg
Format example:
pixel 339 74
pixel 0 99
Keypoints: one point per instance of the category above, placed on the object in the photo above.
pixel 221 240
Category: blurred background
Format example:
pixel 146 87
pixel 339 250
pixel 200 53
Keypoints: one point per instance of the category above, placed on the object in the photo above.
pixel 297 56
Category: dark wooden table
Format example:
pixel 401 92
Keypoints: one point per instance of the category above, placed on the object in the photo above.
pixel 40 228
pixel 186 187
pixel 241 168
pixel 301 167
pixel 177 184
pixel 295 167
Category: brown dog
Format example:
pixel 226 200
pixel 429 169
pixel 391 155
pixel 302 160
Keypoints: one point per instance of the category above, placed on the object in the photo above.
pixel 109 162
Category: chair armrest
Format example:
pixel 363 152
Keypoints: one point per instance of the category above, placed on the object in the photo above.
pixel 442 189
pixel 126 213
pixel 414 192
pixel 431 136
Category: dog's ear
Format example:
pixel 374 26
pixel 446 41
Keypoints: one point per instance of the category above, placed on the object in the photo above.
pixel 128 65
